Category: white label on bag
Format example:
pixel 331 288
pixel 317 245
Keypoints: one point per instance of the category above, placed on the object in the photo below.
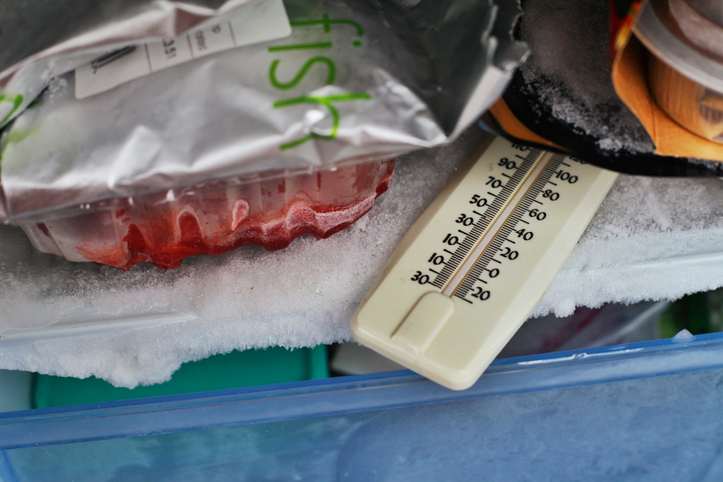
pixel 260 21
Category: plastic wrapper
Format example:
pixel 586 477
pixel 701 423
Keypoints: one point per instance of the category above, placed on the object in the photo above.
pixel 355 84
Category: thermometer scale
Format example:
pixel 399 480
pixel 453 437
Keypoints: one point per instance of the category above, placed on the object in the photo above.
pixel 473 267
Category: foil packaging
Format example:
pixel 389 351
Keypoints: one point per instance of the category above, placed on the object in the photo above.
pixel 40 39
pixel 356 81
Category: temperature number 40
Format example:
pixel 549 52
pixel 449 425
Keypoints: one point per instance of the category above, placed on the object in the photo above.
pixel 524 234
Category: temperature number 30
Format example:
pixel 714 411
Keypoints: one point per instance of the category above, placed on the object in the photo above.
pixel 420 278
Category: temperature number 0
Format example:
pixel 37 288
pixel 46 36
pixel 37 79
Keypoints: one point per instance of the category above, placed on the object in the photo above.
pixel 420 278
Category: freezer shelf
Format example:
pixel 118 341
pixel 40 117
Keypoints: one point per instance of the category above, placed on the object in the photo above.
pixel 653 238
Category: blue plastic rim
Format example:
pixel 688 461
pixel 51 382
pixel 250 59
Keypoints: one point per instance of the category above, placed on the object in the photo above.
pixel 353 394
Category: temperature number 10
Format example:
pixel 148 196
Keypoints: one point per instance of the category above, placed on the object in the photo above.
pixel 451 240
pixel 436 259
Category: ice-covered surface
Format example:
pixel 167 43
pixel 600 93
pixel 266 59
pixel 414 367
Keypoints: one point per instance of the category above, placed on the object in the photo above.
pixel 651 239
pixel 569 69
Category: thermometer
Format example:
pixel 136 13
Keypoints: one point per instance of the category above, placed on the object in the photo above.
pixel 473 267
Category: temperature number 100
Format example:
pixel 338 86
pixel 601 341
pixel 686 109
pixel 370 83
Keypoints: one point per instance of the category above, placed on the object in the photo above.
pixel 566 176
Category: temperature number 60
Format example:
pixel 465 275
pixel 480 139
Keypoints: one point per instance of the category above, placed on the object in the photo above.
pixel 537 214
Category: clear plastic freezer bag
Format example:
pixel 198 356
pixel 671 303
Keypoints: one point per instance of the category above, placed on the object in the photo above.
pixel 216 217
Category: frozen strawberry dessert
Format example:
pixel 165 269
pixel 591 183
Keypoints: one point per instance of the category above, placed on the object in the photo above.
pixel 216 217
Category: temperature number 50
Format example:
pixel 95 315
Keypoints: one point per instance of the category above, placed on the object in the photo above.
pixel 478 200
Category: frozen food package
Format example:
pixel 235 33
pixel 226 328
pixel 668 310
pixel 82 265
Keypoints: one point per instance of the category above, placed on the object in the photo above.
pixel 258 143
pixel 40 39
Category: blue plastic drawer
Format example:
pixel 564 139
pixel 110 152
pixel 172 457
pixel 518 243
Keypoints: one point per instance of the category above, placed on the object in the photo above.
pixel 647 411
